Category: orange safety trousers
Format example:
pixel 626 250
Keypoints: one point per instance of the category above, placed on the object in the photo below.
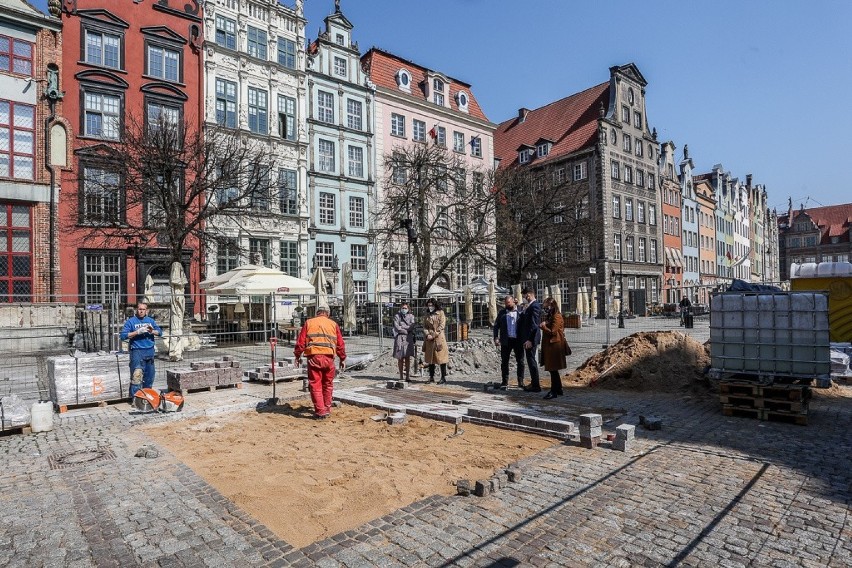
pixel 321 382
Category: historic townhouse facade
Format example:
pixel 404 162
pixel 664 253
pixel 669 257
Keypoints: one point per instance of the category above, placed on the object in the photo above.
pixel 742 231
pixel 816 234
pixel 674 232
pixel 122 63
pixel 706 205
pixel 30 96
pixel 256 84
pixel 691 235
pixel 418 105
pixel 605 128
pixel 342 168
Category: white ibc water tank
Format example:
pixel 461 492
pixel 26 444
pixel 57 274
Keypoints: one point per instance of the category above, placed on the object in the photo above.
pixel 807 270
pixel 41 416
pixel 834 269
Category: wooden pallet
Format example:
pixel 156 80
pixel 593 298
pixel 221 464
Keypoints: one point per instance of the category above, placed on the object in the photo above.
pixel 774 392
pixel 16 431
pixel 742 401
pixel 278 379
pixel 63 408
pixel 211 388
pixel 766 414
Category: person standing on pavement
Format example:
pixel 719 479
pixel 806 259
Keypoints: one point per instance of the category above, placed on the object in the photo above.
pixel 553 346
pixel 435 350
pixel 139 331
pixel 319 340
pixel 685 305
pixel 506 338
pixel 403 340
pixel 530 334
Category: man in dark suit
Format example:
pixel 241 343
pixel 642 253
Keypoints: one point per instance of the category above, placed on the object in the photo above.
pixel 530 334
pixel 506 337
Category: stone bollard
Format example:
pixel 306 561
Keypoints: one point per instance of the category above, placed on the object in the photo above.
pixel 464 487
pixel 590 430
pixel 624 436
pixel 396 418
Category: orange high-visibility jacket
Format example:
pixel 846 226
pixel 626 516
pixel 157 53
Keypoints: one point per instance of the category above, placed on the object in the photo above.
pixel 320 336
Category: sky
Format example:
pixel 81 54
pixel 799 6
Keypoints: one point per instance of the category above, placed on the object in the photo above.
pixel 755 85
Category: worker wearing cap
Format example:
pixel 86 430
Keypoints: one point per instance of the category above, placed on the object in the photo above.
pixel 319 340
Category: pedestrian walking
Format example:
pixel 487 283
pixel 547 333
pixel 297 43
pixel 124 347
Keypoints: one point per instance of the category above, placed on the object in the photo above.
pixel 319 340
pixel 506 338
pixel 685 305
pixel 139 331
pixel 404 326
pixel 530 334
pixel 435 350
pixel 554 347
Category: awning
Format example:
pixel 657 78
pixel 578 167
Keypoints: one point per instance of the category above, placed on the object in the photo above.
pixel 678 257
pixel 669 259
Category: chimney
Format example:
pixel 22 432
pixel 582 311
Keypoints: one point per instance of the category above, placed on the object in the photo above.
pixel 522 114
pixel 748 181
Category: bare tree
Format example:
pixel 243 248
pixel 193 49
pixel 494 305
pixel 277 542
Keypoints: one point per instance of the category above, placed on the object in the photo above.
pixel 544 223
pixel 171 184
pixel 449 208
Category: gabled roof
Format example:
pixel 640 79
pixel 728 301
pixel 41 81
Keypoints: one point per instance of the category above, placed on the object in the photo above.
pixel 382 67
pixel 833 220
pixel 572 124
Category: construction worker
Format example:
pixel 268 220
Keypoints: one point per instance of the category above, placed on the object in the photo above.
pixel 319 340
pixel 139 331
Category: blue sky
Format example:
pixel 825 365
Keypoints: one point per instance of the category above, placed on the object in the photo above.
pixel 758 86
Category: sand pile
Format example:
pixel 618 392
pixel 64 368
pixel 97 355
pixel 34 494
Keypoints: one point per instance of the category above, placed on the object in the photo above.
pixel 661 361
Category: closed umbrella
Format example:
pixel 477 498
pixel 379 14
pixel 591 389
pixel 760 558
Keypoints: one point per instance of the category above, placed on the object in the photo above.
pixel 556 294
pixel 468 304
pixel 594 308
pixel 348 298
pixel 492 303
pixel 516 292
pixel 319 282
pixel 584 302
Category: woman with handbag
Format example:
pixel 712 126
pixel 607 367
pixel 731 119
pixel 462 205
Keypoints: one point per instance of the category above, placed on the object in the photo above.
pixel 435 344
pixel 554 347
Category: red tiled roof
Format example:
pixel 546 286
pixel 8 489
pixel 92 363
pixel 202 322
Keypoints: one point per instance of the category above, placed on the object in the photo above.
pixel 572 123
pixel 833 220
pixel 383 67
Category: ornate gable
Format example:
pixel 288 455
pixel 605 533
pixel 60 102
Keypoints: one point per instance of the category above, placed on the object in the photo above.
pixel 103 16
pixel 164 33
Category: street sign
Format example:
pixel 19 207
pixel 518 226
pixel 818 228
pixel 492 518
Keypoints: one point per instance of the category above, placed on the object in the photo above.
pixel 95 307
pixel 593 270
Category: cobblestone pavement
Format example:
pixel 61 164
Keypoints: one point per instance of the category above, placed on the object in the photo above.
pixel 705 490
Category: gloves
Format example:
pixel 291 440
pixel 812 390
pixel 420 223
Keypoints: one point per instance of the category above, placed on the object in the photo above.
pixel 342 366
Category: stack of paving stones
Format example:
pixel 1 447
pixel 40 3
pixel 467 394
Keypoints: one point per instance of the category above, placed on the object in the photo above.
pixel 590 430
pixel 624 436
pixel 285 370
pixel 399 385
pixel 206 374
pixel 520 422
pixel 485 487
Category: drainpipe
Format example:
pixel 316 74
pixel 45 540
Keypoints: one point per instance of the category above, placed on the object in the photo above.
pixel 52 222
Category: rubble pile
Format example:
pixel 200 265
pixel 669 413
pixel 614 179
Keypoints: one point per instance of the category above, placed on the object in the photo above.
pixel 471 357
pixel 660 361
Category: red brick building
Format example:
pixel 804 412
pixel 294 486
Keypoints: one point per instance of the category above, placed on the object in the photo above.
pixel 670 192
pixel 30 51
pixel 123 62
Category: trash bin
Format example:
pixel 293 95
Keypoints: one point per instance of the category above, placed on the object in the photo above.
pixel 688 320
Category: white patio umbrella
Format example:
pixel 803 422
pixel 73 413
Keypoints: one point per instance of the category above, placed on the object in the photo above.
pixel 319 283
pixel 492 303
pixel 556 294
pixel 348 298
pixel 584 302
pixel 468 305
pixel 253 280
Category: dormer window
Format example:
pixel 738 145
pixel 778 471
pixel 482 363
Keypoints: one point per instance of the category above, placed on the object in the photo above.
pixel 462 101
pixel 438 90
pixel 542 148
pixel 525 153
pixel 403 80
pixel 339 39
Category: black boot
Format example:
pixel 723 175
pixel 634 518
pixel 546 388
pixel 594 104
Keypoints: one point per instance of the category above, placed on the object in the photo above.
pixel 443 380
pixel 431 373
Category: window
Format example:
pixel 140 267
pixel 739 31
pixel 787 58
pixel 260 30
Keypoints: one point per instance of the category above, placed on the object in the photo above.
pixel 289 257
pixel 324 256
pixel 616 246
pixel 340 67
pixel 461 272
pixel 458 141
pixel 358 256
pixel 226 32
pixel 582 208
pixel 259 252
pixel 356 212
pixel 256 42
pixel 441 178
pixel 639 147
pixel 339 39
pixel 642 249
pixel 543 150
pixel 157 191
pixel 637 119
pixel 640 211
pixel 103 49
pixel 287 53
pixel 581 171
pixel 16 255
pixel 326 156
pixel 326 208
pixel 652 184
pixel 640 178
pixel 616 207
pixel 101 277
pixel 101 196
pixel 288 188
pixel 164 63
pixel 438 88
pixel 442 136
pixel 257 111
pixel 558 176
pixel 227 255
pixel 400 175
pixel 625 115
pixel 325 107
pixel 666 229
pixel 460 182
pixel 478 182
pixel 397 125
pixel 613 137
pixel 476 146
pixel 615 170
pixel 524 156
pixel 354 112
pixel 583 248
pixel 101 115
pixel 287 117
pixel 360 290
pixel 356 161
pixel 628 174
pixel 399 265
pixel 810 241
pixel 418 131
pixel 259 186
pixel 226 103
pixel 442 222
pixel 629 250
pixel 16 56
pixel 626 141
pixel 17 140
pixel 653 255
pixel 628 209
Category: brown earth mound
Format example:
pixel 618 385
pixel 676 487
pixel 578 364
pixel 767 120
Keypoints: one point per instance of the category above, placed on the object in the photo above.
pixel 659 361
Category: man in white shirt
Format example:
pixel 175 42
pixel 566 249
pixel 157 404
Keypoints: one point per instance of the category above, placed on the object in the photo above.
pixel 506 337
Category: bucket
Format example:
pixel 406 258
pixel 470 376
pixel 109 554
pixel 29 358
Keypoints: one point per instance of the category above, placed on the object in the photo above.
pixel 41 416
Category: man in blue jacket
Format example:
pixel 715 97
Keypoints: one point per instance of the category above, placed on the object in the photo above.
pixel 530 334
pixel 139 331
